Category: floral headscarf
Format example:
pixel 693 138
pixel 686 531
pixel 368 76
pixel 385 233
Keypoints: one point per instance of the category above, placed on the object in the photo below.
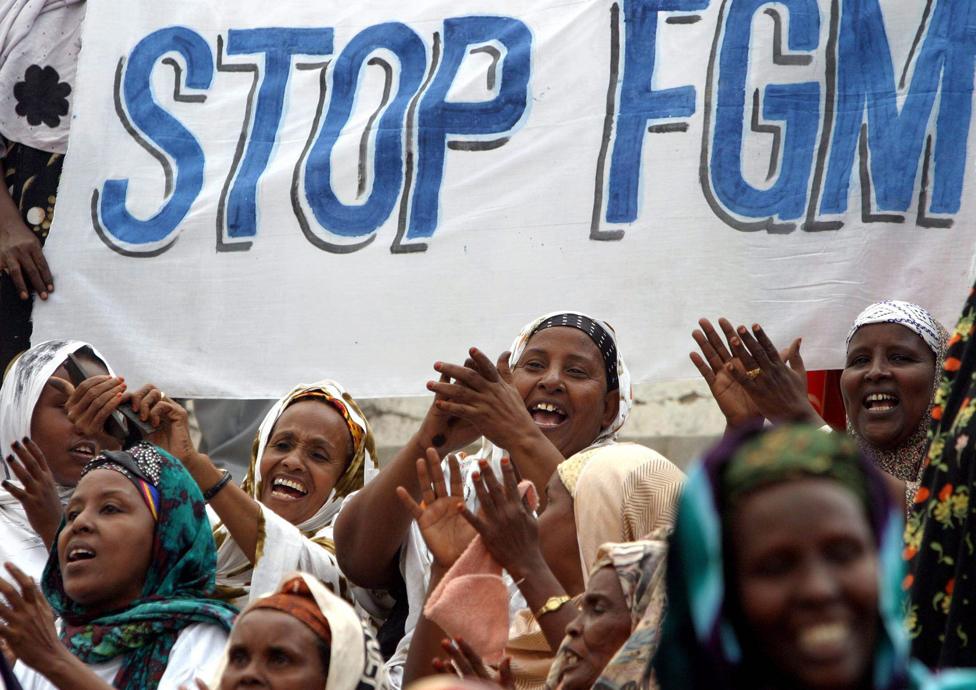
pixel 699 647
pixel 361 468
pixel 177 592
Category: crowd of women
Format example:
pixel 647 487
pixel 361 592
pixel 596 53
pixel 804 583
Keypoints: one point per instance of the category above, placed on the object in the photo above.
pixel 554 556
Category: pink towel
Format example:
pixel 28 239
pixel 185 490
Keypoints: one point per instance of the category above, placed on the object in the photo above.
pixel 471 601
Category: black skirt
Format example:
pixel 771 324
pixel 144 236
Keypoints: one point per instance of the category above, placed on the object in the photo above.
pixel 32 177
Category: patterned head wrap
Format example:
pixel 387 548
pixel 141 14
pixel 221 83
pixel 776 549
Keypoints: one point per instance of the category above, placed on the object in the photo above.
pixel 296 599
pixel 787 453
pixel 600 336
pixel 639 566
pixel 141 465
pixel 178 588
pixel 905 461
pixel 911 316
pixel 699 647
pixel 359 665
pixel 360 468
pixel 602 333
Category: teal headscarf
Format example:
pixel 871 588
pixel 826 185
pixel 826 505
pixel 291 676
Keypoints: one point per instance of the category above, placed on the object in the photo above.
pixel 179 584
pixel 699 648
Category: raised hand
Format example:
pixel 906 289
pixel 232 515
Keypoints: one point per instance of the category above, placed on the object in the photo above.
pixel 438 515
pixel 28 622
pixel 90 404
pixel 38 493
pixel 170 420
pixel 732 398
pixel 484 395
pixel 775 381
pixel 505 522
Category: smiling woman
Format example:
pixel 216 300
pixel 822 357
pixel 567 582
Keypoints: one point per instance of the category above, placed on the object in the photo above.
pixel 784 570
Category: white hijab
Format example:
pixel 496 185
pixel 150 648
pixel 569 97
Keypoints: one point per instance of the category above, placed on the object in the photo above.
pixel 22 386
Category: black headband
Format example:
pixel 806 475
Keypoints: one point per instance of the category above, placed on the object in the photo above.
pixel 139 462
pixel 598 334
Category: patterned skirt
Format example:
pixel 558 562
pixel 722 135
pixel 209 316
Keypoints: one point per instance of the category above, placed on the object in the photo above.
pixel 32 177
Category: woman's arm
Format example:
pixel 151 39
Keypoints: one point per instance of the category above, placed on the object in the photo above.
pixel 373 524
pixel 240 513
pixel 511 535
pixel 30 634
pixel 447 534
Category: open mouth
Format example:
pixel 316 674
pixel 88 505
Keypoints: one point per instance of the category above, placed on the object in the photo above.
pixel 79 553
pixel 85 450
pixel 825 640
pixel 288 489
pixel 547 415
pixel 880 402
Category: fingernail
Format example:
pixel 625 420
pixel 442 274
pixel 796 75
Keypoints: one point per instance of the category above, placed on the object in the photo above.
pixel 43 295
pixel 23 295
pixel 5 483
pixel 50 288
pixel 735 342
pixel 476 475
pixel 15 443
pixel 742 330
pixel 26 439
pixel 506 462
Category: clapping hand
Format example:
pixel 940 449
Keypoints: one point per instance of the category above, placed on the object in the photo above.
pixel 439 514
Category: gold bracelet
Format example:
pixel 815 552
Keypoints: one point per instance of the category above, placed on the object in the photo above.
pixel 552 604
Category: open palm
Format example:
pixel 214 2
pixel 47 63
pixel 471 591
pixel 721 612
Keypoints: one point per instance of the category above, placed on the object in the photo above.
pixel 438 516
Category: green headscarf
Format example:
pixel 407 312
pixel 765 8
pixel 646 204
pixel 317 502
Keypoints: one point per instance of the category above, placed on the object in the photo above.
pixel 792 452
pixel 179 584
pixel 700 648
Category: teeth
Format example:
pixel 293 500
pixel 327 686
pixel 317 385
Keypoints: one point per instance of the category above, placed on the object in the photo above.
pixel 880 397
pixel 825 635
pixel 79 552
pixel 547 407
pixel 288 483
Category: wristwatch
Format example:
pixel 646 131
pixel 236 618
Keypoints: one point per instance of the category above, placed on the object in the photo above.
pixel 552 604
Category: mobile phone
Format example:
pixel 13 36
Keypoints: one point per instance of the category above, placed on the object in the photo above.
pixel 123 421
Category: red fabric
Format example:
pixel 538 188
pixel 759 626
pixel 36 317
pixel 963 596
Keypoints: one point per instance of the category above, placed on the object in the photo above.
pixel 823 389
pixel 296 600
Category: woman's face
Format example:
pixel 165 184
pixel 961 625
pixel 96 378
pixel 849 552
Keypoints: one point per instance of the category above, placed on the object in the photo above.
pixel 65 448
pixel 105 548
pixel 557 536
pixel 307 452
pixel 806 573
pixel 600 629
pixel 270 649
pixel 887 383
pixel 562 380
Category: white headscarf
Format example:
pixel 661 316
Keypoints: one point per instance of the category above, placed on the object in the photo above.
pixel 913 317
pixel 355 662
pixel 22 386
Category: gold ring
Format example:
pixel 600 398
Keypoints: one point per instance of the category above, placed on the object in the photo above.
pixel 754 374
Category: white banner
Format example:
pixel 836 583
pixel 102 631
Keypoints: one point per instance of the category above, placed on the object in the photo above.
pixel 257 194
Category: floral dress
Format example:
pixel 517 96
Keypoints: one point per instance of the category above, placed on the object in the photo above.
pixel 941 532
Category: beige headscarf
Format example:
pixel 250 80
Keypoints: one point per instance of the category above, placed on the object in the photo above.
pixel 620 493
